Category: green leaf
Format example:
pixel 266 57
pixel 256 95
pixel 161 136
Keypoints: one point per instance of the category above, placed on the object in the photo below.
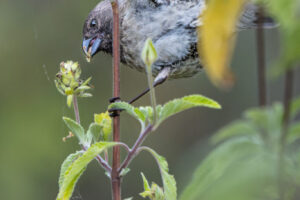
pixel 154 192
pixel 105 121
pixel 177 105
pixel 76 129
pixel 295 107
pixel 134 112
pixel 169 183
pixel 146 184
pixel 216 165
pixel 293 133
pixel 74 171
pixel 67 162
pixel 236 128
pixel 93 133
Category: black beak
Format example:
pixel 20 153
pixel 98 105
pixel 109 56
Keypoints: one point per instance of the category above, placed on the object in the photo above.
pixel 90 46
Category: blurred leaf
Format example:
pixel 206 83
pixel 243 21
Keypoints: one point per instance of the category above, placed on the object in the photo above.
pixel 74 171
pixel 268 120
pixel 293 133
pixel 216 165
pixel 93 133
pixel 76 129
pixel 217 38
pixel 295 107
pixel 124 172
pixel 286 13
pixel 105 121
pixel 177 105
pixel 67 162
pixel 169 183
pixel 236 128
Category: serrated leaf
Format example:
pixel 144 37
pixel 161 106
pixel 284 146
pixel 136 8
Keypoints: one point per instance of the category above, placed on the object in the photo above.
pixel 217 38
pixel 93 133
pixel 177 105
pixel 67 162
pixel 236 128
pixel 105 121
pixel 77 167
pixel 76 129
pixel 134 112
pixel 169 183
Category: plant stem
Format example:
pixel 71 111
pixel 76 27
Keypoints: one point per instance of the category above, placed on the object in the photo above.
pixel 288 94
pixel 262 88
pixel 76 110
pixel 132 153
pixel 152 92
pixel 115 176
pixel 102 162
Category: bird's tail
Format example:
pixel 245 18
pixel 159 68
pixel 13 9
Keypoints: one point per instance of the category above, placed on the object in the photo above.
pixel 251 18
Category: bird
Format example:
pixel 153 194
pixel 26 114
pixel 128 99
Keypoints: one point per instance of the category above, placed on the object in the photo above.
pixel 172 26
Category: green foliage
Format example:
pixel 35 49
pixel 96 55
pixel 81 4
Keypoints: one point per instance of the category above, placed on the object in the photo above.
pixel 245 165
pixel 94 133
pixel 295 107
pixel 286 13
pixel 105 121
pixel 77 167
pixel 100 130
pixel 66 164
pixel 154 192
pixel 169 183
pixel 76 129
pixel 145 114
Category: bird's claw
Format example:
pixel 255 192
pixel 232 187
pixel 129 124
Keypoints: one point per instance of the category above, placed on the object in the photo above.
pixel 114 112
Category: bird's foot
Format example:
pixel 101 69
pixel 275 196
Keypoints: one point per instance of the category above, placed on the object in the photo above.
pixel 114 112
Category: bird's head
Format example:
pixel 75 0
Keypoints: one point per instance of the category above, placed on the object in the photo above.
pixel 97 30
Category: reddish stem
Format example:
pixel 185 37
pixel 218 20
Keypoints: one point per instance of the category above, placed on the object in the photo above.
pixel 115 176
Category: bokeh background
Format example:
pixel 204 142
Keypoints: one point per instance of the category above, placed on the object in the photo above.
pixel 35 36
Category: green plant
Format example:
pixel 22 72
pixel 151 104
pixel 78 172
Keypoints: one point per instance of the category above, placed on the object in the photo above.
pixel 96 141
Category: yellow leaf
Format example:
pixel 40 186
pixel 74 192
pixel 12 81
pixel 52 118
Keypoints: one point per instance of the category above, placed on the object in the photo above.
pixel 216 39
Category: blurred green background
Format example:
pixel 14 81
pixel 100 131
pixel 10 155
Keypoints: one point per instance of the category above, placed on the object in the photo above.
pixel 35 36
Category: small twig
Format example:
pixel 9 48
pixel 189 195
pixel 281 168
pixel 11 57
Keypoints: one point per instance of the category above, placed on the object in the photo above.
pixel 102 162
pixel 261 69
pixel 76 110
pixel 288 94
pixel 133 152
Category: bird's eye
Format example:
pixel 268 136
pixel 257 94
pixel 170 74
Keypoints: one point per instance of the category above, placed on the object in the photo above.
pixel 93 23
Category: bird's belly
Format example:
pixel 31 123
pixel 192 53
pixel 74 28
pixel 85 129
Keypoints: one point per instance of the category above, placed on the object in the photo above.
pixel 181 69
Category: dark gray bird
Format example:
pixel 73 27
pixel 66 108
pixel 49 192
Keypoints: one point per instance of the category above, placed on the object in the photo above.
pixel 171 24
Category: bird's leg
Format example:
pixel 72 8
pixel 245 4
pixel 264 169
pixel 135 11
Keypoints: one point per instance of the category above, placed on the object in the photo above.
pixel 159 79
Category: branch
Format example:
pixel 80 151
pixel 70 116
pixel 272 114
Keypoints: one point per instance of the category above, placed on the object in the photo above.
pixel 133 152
pixel 261 69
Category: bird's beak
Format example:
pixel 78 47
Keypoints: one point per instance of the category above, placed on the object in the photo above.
pixel 90 47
